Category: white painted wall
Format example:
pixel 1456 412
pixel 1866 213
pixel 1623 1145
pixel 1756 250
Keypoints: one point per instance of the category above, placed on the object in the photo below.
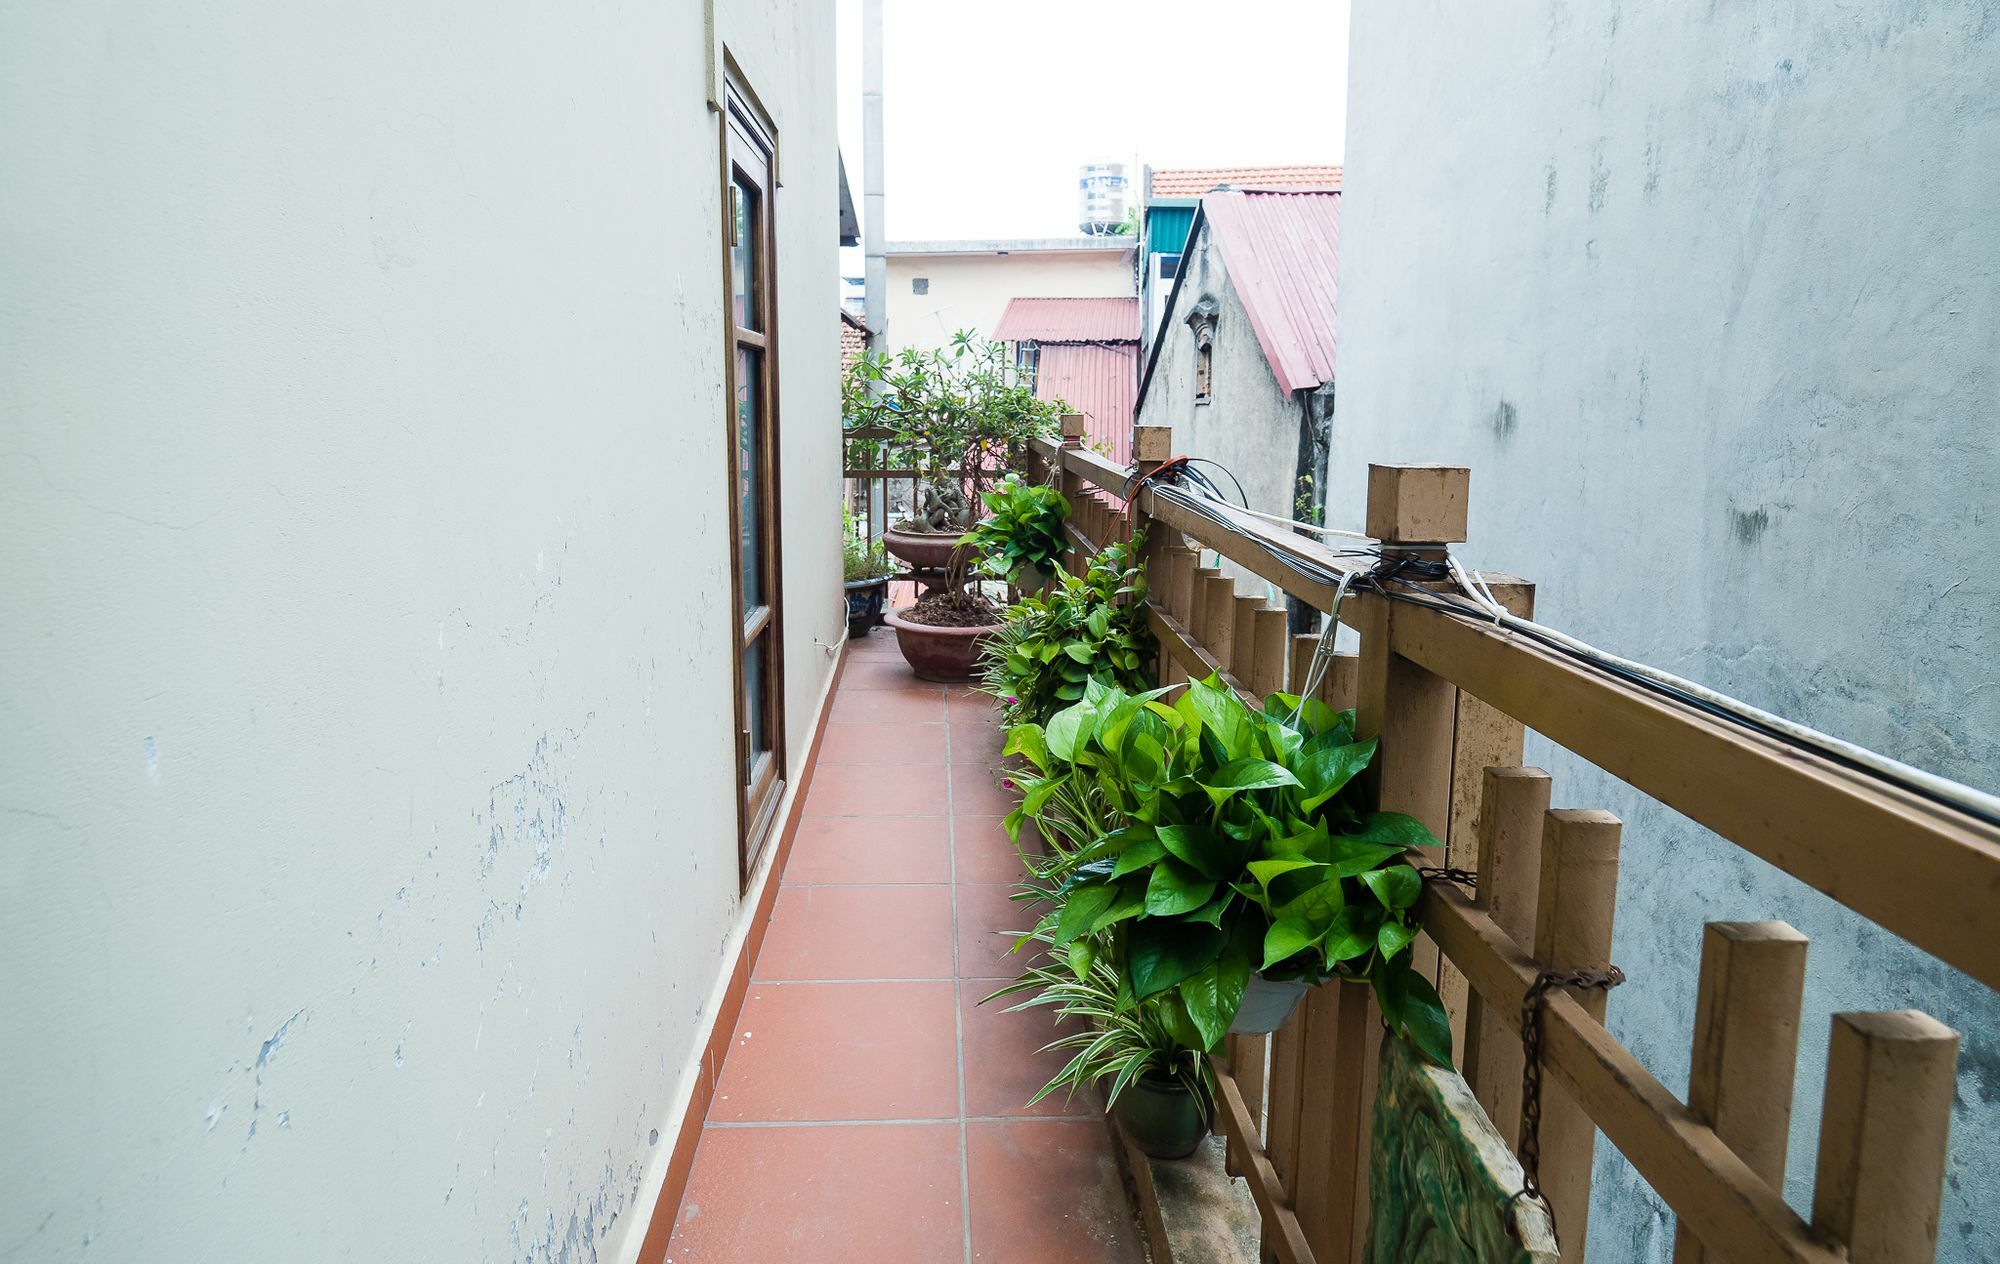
pixel 367 852
pixel 971 291
pixel 1708 297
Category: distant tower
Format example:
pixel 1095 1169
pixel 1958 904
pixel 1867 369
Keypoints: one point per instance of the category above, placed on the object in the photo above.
pixel 1100 196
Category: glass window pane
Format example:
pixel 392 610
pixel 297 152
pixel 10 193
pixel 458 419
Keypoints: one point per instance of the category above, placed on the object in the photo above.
pixel 755 703
pixel 749 403
pixel 743 254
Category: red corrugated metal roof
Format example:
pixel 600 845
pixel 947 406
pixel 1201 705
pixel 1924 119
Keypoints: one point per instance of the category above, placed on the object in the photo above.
pixel 1069 320
pixel 1283 255
pixel 1097 381
pixel 1188 182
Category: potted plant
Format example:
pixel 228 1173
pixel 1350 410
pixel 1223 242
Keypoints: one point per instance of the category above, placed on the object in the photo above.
pixel 1224 855
pixel 867 569
pixel 960 417
pixel 1157 1083
pixel 1050 644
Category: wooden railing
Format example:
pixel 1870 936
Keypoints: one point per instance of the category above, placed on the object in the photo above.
pixel 1451 696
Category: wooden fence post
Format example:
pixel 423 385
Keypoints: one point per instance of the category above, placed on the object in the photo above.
pixel 1336 1019
pixel 1882 1135
pixel 1415 511
pixel 1150 447
pixel 1746 1047
pixel 1573 912
pixel 1515 802
pixel 1215 614
pixel 1483 737
pixel 1268 632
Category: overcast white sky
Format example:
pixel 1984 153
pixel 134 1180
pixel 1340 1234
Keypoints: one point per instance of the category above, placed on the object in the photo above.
pixel 990 108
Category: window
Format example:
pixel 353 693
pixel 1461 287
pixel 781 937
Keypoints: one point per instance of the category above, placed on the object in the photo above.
pixel 920 285
pixel 1204 362
pixel 1170 266
pixel 1027 362
pixel 753 473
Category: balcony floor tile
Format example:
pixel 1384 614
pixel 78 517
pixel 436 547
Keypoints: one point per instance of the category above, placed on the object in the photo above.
pixel 859 1194
pixel 841 1051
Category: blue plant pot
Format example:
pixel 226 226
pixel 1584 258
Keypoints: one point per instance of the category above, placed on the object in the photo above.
pixel 865 598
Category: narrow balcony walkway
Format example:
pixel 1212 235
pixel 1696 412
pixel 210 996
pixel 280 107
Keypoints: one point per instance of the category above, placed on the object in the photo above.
pixel 870 1108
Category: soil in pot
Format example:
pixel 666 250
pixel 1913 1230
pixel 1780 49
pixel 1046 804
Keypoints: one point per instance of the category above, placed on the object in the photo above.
pixel 953 610
pixel 1162 1117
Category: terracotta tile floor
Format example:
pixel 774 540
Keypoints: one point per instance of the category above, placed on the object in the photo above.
pixel 870 1108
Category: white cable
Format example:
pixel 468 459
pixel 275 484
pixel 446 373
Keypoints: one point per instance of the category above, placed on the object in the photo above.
pixel 1294 522
pixel 1957 793
pixel 1943 787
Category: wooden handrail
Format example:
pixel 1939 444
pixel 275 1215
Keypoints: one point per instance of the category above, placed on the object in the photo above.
pixel 1922 869
pixel 1930 874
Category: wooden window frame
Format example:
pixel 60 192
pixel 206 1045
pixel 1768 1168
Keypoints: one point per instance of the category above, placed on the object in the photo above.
pixel 750 152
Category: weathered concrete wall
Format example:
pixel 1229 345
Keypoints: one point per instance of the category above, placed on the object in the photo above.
pixel 367 848
pixel 1709 299
pixel 970 291
pixel 1249 424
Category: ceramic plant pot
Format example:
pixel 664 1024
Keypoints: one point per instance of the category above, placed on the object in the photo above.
pixel 1267 1003
pixel 924 550
pixel 865 598
pixel 948 655
pixel 1162 1117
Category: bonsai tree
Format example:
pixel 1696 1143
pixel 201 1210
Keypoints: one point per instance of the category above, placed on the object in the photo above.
pixel 960 416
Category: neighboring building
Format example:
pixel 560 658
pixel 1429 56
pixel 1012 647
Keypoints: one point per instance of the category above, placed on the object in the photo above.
pixel 1707 297
pixel 1242 368
pixel 936 288
pixel 389 473
pixel 1101 197
pixel 1084 352
pixel 853 339
pixel 1168 198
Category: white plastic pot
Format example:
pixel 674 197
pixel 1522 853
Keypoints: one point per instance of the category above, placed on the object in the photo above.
pixel 1267 1003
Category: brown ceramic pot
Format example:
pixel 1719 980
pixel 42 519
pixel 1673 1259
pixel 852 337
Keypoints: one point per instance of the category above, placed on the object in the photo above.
pixel 924 550
pixel 949 655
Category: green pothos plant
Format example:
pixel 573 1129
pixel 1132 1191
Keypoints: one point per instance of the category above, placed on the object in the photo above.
pixel 1201 841
pixel 1051 644
pixel 1022 539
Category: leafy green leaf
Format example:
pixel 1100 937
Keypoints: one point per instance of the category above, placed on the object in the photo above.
pixel 1082 956
pixel 1138 855
pixel 1353 932
pixel 1287 937
pixel 1325 773
pixel 1393 938
pixel 1397 887
pixel 1201 847
pixel 1026 739
pixel 1393 827
pixel 1162 952
pixel 1174 888
pixel 1215 992
pixel 1247 774
pixel 1080 909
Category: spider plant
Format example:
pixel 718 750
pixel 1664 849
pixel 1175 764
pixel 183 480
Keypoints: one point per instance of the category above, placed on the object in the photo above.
pixel 1119 1044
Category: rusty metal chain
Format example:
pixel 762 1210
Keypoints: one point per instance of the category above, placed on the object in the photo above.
pixel 1447 873
pixel 1531 1069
